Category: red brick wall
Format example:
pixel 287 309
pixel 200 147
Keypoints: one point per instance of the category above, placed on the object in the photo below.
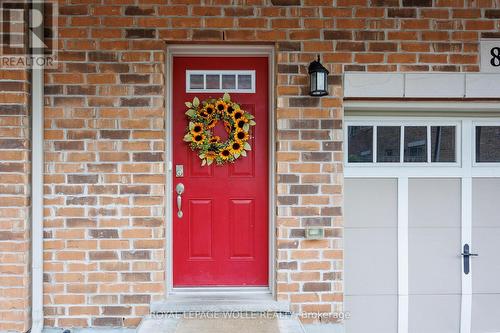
pixel 15 300
pixel 105 141
pixel 105 138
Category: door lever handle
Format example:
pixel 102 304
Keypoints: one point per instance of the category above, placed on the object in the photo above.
pixel 467 254
pixel 179 189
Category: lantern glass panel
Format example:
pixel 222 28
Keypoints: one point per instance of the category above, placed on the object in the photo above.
pixel 320 79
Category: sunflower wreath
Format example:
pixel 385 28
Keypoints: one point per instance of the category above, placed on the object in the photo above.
pixel 204 116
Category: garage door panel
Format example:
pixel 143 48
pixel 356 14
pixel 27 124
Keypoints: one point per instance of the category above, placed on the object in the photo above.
pixel 424 316
pixel 434 261
pixel 486 202
pixel 371 314
pixel 486 267
pixel 370 202
pixel 485 313
pixel 370 261
pixel 434 236
pixel 434 203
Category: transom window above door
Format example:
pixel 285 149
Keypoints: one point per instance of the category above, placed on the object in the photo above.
pixel 409 143
pixel 220 81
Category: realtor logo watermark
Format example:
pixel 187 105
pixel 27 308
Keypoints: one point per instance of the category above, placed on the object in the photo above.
pixel 28 33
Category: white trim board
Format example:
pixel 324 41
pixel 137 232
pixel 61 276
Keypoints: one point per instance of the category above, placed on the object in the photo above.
pixel 421 85
pixel 214 51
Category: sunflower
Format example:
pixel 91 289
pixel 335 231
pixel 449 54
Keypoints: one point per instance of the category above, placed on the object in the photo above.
pixel 228 126
pixel 214 139
pixel 210 155
pixel 198 138
pixel 241 122
pixel 236 147
pixel 241 135
pixel 225 154
pixel 209 109
pixel 197 129
pixel 237 115
pixel 230 110
pixel 212 123
pixel 221 106
pixel 203 113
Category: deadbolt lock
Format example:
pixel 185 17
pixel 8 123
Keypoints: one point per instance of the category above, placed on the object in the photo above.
pixel 179 171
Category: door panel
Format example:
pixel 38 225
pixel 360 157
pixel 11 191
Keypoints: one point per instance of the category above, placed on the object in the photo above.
pixel 372 313
pixel 200 228
pixel 222 238
pixel 370 235
pixel 434 238
pixel 485 268
pixel 434 314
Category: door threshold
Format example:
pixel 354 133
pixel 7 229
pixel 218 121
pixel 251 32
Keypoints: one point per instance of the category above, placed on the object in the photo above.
pixel 220 290
pixel 220 300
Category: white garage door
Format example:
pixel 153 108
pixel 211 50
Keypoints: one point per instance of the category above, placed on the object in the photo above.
pixel 422 197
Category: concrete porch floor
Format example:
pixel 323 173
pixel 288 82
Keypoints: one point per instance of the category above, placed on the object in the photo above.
pixel 220 325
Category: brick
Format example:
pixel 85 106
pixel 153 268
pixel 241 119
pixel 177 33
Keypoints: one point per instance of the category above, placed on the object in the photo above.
pixel 400 12
pixel 68 145
pixel 316 286
pixel 492 13
pixel 135 299
pixel 140 33
pixel 148 157
pixel 103 233
pixel 114 134
pixel 103 56
pixel 285 2
pixel 417 3
pixel 136 277
pixel 116 310
pixel 208 34
pixel 139 11
pixel 103 255
pixel 289 46
pixel 73 10
pixel 83 179
pixel 238 11
pixel 135 255
pixel 337 34
pixel 107 321
pixel 303 189
pixel 350 46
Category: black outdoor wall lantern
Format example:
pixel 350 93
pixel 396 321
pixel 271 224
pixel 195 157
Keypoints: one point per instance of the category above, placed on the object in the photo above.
pixel 318 76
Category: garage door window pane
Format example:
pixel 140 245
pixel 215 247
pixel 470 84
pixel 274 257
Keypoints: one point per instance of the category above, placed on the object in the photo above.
pixel 388 143
pixel 415 149
pixel 360 142
pixel 443 144
pixel 487 144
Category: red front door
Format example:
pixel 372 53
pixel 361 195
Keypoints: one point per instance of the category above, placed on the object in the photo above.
pixel 222 237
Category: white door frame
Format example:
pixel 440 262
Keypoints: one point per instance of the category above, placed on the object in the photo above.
pixel 465 169
pixel 206 50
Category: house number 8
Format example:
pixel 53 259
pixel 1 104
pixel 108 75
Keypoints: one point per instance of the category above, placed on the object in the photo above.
pixel 495 53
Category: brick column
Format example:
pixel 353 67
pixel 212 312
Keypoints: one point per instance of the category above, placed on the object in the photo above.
pixel 15 290
pixel 309 167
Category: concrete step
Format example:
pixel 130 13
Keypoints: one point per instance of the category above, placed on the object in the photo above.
pixel 220 323
pixel 220 302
